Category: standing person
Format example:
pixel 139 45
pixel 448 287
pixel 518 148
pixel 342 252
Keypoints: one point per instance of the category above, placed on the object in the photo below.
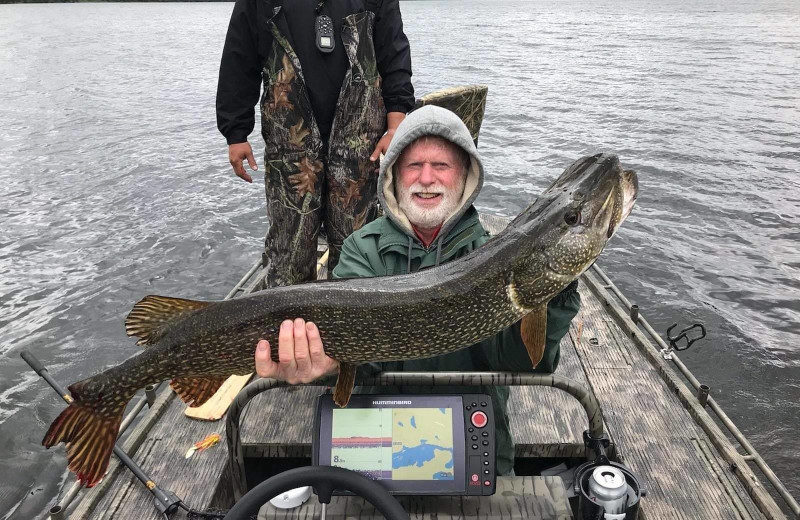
pixel 429 179
pixel 336 78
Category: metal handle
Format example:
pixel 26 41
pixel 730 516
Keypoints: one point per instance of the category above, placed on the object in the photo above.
pixel 673 342
pixel 165 501
pixel 34 363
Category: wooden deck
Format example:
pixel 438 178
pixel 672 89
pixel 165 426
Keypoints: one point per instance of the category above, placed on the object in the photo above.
pixel 651 422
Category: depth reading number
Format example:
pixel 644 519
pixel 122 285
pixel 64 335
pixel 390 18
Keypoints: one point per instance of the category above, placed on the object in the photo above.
pixel 336 458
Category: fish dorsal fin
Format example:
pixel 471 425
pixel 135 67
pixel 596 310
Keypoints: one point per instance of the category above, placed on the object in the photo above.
pixel 148 318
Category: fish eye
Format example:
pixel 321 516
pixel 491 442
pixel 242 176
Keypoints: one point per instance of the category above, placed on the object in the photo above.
pixel 572 217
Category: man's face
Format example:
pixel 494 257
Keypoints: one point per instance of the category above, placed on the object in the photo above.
pixel 430 181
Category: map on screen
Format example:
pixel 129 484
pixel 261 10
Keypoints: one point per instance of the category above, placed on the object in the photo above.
pixel 394 443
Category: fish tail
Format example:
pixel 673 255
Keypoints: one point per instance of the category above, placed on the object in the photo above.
pixel 90 433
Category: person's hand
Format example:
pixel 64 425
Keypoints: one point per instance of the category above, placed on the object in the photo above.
pixel 300 353
pixel 393 120
pixel 237 153
pixel 382 145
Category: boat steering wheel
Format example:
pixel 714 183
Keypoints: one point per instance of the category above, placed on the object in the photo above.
pixel 324 479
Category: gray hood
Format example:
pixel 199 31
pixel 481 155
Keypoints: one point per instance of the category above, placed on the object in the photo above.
pixel 429 120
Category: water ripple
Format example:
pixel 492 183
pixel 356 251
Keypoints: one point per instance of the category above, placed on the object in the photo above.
pixel 115 183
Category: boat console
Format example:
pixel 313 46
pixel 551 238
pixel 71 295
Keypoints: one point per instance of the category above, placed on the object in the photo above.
pixel 404 456
pixel 411 444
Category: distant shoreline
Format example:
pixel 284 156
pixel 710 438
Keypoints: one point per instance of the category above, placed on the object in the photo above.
pixel 109 1
pixel 100 1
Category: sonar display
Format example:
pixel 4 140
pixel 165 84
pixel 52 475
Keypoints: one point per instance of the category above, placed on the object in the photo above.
pixel 394 443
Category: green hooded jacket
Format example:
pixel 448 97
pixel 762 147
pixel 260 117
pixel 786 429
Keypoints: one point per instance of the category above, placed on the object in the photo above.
pixel 388 246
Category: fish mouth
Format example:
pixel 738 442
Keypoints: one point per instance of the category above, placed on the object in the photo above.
pixel 625 199
pixel 630 190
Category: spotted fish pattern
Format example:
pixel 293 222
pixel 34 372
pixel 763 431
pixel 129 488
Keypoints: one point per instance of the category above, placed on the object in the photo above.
pixel 199 344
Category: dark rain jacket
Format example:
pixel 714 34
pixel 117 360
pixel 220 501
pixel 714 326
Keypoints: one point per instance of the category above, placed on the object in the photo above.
pixel 387 246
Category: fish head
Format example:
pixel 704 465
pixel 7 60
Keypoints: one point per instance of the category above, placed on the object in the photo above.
pixel 567 227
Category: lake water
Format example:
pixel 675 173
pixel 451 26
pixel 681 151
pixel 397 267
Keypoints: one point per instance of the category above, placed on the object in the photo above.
pixel 115 182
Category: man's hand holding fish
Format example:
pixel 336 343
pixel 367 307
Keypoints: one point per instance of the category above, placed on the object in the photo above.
pixel 301 358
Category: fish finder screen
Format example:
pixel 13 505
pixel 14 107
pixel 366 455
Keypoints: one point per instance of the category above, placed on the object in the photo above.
pixel 394 443
pixel 412 444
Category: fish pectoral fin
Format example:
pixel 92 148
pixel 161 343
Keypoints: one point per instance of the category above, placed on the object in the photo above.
pixel 149 316
pixel 534 332
pixel 197 390
pixel 344 384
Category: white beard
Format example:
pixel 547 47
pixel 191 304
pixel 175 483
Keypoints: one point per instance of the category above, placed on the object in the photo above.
pixel 428 218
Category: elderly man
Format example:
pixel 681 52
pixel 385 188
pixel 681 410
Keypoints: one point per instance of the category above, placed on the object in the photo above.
pixel 428 180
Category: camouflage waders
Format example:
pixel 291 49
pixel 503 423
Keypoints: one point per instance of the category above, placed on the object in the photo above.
pixel 306 185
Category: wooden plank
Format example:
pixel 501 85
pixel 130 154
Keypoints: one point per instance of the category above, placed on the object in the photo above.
pixel 197 480
pixel 654 434
pixel 282 416
pixel 546 422
pixel 215 408
pixel 598 345
pixel 517 498
pixel 116 470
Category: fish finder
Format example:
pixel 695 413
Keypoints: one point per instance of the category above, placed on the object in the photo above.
pixel 411 444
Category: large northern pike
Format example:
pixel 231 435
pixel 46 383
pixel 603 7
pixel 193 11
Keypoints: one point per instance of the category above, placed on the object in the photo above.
pixel 199 344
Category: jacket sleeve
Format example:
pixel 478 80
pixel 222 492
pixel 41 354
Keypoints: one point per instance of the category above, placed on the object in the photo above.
pixel 353 263
pixel 507 352
pixel 393 55
pixel 239 82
